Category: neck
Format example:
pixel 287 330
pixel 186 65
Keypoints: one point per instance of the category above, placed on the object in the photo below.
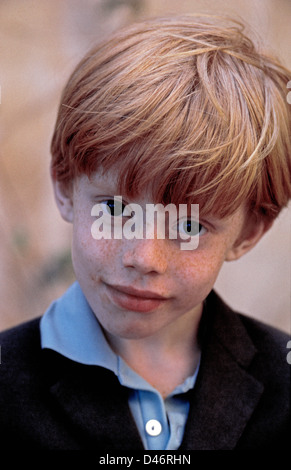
pixel 166 358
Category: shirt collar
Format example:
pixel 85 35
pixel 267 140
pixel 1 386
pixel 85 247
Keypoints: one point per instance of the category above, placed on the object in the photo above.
pixel 70 327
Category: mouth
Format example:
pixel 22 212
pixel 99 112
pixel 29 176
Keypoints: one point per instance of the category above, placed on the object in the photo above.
pixel 135 300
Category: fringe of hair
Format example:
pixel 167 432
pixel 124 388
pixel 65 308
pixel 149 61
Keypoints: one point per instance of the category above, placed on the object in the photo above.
pixel 183 106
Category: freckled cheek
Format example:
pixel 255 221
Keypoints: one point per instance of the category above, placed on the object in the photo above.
pixel 200 272
pixel 89 254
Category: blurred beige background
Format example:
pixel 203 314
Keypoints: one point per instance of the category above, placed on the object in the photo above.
pixel 40 42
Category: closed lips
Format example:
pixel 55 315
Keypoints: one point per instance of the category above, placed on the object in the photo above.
pixel 131 299
pixel 144 294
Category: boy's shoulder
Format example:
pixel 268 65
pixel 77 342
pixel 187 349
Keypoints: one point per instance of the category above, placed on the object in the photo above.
pixel 267 335
pixel 20 354
pixel 24 337
pixel 246 338
pixel 257 329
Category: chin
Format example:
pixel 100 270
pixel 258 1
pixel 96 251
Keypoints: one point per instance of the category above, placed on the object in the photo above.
pixel 133 332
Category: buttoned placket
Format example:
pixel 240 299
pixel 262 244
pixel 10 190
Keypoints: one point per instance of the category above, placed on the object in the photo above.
pixel 162 421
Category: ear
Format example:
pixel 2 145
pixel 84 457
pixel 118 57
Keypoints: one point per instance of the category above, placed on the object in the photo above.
pixel 248 239
pixel 64 199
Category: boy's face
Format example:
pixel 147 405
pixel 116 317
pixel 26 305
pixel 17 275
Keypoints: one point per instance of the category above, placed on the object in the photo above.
pixel 143 287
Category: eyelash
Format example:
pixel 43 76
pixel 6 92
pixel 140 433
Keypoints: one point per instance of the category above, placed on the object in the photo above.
pixel 112 201
pixel 200 226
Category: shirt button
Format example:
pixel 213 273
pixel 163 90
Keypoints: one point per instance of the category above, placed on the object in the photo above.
pixel 153 427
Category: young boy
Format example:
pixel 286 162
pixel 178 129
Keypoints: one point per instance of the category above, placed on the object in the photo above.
pixel 140 353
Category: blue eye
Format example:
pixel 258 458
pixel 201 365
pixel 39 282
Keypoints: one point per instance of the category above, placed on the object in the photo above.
pixel 191 228
pixel 113 207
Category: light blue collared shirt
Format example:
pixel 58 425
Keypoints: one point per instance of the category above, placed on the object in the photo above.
pixel 70 328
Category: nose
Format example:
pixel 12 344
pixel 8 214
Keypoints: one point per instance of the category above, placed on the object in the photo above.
pixel 146 255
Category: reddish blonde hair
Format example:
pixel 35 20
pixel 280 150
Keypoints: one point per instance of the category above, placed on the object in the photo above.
pixel 186 106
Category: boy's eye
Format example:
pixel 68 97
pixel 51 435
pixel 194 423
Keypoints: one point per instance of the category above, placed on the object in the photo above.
pixel 113 207
pixel 190 227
